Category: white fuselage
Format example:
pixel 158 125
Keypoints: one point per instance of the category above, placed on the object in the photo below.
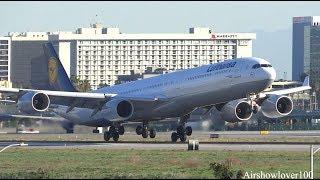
pixel 183 90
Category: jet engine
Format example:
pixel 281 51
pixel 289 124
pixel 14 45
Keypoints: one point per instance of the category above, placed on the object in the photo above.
pixel 236 111
pixel 119 110
pixel 276 106
pixel 33 102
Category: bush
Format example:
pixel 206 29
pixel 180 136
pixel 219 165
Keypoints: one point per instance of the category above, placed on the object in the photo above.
pixel 223 171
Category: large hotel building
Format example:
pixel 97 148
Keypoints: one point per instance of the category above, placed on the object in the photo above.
pixel 5 50
pixel 100 55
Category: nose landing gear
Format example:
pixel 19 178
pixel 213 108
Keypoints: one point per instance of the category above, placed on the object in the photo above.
pixel 182 131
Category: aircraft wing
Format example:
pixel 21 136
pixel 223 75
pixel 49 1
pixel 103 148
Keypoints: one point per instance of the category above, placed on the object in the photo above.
pixel 60 93
pixel 304 87
pixel 7 117
pixel 83 99
pixel 71 99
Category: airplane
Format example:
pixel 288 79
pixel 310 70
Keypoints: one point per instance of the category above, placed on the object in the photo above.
pixel 233 87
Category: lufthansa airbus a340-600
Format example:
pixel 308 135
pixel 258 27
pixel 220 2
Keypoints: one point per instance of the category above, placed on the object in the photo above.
pixel 234 87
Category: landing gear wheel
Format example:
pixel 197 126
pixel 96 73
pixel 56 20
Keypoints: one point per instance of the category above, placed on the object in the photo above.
pixel 112 129
pixel 95 131
pixel 69 131
pixel 121 130
pixel 139 130
pixel 144 133
pixel 107 136
pixel 188 131
pixel 180 130
pixel 115 137
pixel 152 133
pixel 174 137
pixel 183 137
pixel 255 109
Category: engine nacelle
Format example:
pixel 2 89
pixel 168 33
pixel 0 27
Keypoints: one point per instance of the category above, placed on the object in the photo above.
pixel 276 106
pixel 33 102
pixel 119 110
pixel 235 111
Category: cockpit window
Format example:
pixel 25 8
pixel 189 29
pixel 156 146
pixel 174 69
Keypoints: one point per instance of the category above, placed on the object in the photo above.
pixel 260 65
pixel 266 65
pixel 255 66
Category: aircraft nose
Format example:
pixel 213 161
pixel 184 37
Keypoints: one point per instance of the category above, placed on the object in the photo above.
pixel 270 73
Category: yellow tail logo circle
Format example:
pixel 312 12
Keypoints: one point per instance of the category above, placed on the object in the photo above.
pixel 53 70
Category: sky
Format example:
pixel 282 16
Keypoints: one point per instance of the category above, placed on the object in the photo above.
pixel 272 21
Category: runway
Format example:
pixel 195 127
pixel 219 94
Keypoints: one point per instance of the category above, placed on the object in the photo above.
pixel 164 146
pixel 228 140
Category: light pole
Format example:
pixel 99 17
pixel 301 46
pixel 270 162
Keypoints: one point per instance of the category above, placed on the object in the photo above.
pixel 12 145
pixel 311 159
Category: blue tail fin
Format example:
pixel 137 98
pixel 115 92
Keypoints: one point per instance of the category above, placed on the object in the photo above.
pixel 58 78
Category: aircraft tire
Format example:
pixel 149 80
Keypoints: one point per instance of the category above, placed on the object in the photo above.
pixel 180 130
pixel 152 133
pixel 69 131
pixel 139 130
pixel 144 133
pixel 107 136
pixel 115 137
pixel 112 129
pixel 95 131
pixel 174 137
pixel 188 131
pixel 183 137
pixel 121 130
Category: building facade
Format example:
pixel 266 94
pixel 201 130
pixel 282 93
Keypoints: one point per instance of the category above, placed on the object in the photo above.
pixel 5 59
pixel 301 27
pixel 28 64
pixel 306 50
pixel 100 55
pixel 312 55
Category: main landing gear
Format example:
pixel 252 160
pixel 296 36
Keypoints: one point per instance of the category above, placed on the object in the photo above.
pixel 182 131
pixel 144 130
pixel 97 130
pixel 113 132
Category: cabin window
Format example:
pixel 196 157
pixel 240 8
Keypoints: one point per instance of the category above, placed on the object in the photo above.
pixel 260 65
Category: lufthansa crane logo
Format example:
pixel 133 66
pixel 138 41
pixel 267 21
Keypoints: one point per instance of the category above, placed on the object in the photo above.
pixel 53 70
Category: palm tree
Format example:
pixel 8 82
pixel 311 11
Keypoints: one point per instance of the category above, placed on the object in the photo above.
pixel 80 85
pixel 84 86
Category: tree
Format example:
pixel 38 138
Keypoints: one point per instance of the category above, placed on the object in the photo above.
pixel 84 86
pixel 80 85
pixel 75 80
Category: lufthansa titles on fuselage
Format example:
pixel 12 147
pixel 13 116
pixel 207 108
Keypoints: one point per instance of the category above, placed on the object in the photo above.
pixel 215 67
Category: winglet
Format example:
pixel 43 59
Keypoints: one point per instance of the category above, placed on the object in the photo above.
pixel 306 81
